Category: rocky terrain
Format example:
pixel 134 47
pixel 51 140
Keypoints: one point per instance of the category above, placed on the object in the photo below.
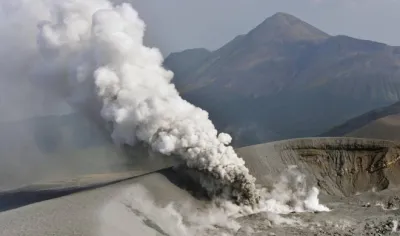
pixel 358 180
pixel 338 166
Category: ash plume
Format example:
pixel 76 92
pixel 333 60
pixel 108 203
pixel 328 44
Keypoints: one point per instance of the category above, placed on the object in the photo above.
pixel 97 50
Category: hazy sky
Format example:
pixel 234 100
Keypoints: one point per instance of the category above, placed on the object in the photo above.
pixel 180 24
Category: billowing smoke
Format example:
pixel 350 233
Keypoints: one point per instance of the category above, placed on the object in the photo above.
pixel 98 49
pixel 135 209
pixel 291 194
pixel 136 204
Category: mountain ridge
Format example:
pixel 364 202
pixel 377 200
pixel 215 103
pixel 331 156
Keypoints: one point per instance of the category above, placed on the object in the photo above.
pixel 384 119
pixel 287 79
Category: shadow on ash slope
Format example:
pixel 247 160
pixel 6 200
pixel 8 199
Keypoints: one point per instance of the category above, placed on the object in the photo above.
pixel 358 180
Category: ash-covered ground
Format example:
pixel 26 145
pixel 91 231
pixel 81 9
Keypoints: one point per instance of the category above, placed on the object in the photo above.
pixel 358 182
pixel 358 179
pixel 371 213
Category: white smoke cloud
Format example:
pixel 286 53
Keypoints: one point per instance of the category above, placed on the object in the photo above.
pixel 291 194
pixel 395 226
pixel 134 211
pixel 19 97
pixel 94 51
pixel 138 206
pixel 100 47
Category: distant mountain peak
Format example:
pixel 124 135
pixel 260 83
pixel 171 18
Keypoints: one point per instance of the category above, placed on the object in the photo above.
pixel 283 16
pixel 285 27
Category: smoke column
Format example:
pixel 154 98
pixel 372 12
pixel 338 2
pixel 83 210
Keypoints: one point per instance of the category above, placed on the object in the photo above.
pixel 98 48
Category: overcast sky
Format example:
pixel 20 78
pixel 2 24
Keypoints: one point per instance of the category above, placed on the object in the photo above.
pixel 175 25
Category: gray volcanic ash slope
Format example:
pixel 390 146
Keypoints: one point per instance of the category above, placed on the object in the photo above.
pixel 338 166
pixel 359 180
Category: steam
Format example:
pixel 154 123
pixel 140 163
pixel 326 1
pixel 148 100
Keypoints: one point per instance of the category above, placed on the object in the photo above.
pixel 291 194
pixel 134 211
pixel 92 52
pixel 100 48
pixel 395 226
pixel 137 205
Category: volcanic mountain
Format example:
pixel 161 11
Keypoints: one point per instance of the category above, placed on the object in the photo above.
pixel 287 79
pixel 381 123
